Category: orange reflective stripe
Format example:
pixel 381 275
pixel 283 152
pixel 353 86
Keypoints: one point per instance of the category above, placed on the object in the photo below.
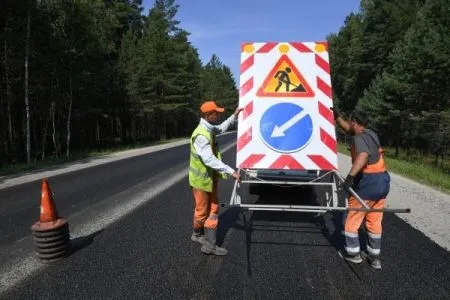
pixel 377 167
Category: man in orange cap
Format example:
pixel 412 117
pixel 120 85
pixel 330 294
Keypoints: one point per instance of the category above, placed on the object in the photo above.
pixel 205 169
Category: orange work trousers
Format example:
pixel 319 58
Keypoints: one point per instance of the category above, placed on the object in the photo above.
pixel 206 208
pixel 353 221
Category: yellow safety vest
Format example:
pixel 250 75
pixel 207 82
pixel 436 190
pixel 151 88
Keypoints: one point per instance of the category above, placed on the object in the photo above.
pixel 201 176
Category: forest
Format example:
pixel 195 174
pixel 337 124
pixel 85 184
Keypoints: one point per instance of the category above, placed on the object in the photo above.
pixel 78 76
pixel 392 59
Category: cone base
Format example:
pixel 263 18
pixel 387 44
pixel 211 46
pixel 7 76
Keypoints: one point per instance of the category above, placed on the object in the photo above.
pixel 51 239
pixel 48 226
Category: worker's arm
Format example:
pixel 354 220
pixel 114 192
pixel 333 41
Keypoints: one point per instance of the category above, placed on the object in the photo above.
pixel 228 122
pixel 359 163
pixel 361 159
pixel 204 150
pixel 345 125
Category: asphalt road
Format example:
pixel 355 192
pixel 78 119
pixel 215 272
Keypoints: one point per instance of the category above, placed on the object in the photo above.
pixel 148 254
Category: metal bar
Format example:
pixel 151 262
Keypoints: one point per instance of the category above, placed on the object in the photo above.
pixel 287 209
pixel 313 208
pixel 238 194
pixel 354 194
pixel 328 209
pixel 335 193
pixel 233 193
pixel 287 182
pixel 282 206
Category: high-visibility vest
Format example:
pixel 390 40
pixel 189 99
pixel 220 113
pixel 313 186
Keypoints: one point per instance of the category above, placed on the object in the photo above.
pixel 201 176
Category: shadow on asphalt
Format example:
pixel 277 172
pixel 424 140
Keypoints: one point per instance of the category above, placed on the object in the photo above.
pixel 329 224
pixel 82 242
pixel 227 220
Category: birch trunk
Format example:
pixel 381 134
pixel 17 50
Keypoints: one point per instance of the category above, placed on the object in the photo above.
pixel 69 117
pixel 8 90
pixel 55 143
pixel 27 102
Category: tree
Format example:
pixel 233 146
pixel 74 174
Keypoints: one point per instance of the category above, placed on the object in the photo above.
pixel 413 94
pixel 98 73
pixel 346 63
pixel 218 83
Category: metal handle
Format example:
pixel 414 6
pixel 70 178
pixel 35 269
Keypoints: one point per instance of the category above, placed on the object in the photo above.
pixel 352 192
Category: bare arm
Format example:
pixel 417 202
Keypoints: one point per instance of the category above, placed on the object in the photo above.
pixel 359 163
pixel 345 125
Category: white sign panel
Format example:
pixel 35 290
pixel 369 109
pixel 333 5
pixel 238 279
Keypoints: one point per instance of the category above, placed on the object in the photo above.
pixel 286 95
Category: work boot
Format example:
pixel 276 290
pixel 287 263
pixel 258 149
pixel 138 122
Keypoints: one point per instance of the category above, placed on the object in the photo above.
pixel 198 236
pixel 356 259
pixel 373 261
pixel 209 246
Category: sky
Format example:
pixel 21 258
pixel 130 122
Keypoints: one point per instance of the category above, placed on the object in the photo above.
pixel 220 26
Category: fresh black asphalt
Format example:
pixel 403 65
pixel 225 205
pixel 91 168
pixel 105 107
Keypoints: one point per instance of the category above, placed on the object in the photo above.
pixel 272 255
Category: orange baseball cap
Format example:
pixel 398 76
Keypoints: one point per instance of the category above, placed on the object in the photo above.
pixel 210 106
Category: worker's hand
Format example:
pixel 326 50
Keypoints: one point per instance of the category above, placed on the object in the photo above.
pixel 348 183
pixel 237 111
pixel 237 176
pixel 335 112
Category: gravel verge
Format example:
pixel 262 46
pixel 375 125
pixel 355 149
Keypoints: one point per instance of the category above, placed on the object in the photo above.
pixel 430 208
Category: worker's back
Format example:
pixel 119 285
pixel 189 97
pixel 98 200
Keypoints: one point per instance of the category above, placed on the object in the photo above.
pixel 368 141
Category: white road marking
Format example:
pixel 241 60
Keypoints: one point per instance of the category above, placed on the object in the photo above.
pixel 8 181
pixel 24 266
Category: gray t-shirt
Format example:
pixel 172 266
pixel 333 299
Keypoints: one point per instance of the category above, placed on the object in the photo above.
pixel 367 142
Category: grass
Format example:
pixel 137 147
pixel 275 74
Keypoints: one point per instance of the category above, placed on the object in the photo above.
pixel 52 161
pixel 416 167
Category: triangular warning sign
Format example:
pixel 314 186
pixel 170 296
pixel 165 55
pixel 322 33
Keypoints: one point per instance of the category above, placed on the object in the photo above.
pixel 285 80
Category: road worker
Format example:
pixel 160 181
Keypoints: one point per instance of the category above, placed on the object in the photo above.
pixel 370 180
pixel 205 169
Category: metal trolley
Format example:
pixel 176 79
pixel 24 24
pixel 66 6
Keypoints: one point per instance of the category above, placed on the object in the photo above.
pixel 331 202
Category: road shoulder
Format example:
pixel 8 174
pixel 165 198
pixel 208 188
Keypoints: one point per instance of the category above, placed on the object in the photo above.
pixel 430 208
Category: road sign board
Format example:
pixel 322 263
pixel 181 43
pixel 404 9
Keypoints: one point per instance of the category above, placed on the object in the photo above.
pixel 283 127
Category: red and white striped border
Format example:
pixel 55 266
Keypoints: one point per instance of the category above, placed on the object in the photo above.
pixel 324 101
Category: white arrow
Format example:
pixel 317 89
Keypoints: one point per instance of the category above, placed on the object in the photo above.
pixel 278 131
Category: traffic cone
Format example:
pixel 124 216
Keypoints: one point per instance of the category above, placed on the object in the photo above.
pixel 50 233
pixel 48 208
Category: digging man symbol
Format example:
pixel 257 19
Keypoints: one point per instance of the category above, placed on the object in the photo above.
pixel 283 77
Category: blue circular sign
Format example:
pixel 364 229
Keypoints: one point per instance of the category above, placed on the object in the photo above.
pixel 286 127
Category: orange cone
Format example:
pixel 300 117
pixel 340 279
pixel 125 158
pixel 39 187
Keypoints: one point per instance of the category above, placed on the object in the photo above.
pixel 48 208
pixel 51 233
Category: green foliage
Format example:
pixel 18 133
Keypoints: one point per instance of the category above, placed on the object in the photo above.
pixel 218 83
pixel 398 72
pixel 101 67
